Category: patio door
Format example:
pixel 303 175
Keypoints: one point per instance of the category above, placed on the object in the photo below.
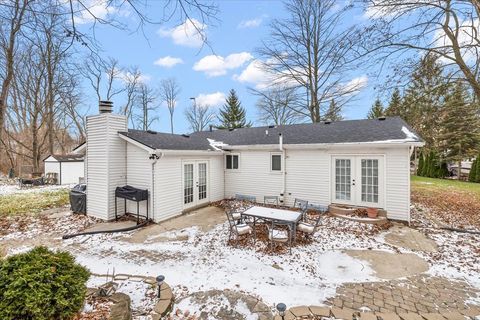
pixel 195 183
pixel 358 180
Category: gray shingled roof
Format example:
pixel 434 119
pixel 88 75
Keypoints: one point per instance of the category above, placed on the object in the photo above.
pixel 67 157
pixel 348 131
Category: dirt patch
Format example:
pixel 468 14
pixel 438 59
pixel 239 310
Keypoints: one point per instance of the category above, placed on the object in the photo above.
pixel 408 238
pixel 389 265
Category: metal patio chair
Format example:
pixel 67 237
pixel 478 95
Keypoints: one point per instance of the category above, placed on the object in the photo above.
pixel 280 232
pixel 272 200
pixel 236 229
pixel 302 205
pixel 309 227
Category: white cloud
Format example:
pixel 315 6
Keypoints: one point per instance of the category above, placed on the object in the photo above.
pixel 215 65
pixel 167 61
pixel 125 76
pixel 210 99
pixel 356 84
pixel 191 33
pixel 254 74
pixel 97 9
pixel 253 23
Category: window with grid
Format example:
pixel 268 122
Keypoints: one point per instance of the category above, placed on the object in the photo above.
pixel 231 161
pixel 370 180
pixel 276 162
pixel 342 179
pixel 188 183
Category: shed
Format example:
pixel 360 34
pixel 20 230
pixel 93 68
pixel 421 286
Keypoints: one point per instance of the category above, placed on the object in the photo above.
pixel 69 168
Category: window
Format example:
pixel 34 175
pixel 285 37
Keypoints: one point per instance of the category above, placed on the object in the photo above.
pixel 231 161
pixel 276 162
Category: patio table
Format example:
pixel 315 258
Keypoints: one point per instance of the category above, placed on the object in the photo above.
pixel 272 214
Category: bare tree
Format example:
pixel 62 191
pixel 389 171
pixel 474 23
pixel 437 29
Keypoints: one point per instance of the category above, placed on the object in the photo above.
pixel 132 81
pixel 169 91
pixel 279 105
pixel 199 117
pixel 448 29
pixel 312 49
pixel 146 99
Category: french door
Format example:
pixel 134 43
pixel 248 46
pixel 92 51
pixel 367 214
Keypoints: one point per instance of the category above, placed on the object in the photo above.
pixel 358 180
pixel 195 183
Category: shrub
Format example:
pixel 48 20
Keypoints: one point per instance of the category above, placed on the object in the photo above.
pixel 41 285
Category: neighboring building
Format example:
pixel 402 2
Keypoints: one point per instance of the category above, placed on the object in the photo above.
pixel 357 162
pixel 68 168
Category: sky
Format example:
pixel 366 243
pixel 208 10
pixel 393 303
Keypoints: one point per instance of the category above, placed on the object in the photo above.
pixel 205 72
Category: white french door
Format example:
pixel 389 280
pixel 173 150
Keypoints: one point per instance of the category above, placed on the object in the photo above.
pixel 195 183
pixel 358 180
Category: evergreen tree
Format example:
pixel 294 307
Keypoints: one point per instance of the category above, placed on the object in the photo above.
pixel 233 115
pixel 376 110
pixel 334 112
pixel 421 163
pixel 472 176
pixel 395 105
pixel 426 164
pixel 477 170
pixel 459 127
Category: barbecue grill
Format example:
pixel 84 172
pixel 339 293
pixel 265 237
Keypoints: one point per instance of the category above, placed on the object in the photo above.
pixel 131 194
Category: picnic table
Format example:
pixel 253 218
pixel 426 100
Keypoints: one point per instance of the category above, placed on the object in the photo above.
pixel 272 214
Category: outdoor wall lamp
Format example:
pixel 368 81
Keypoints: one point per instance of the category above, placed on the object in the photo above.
pixel 160 280
pixel 281 308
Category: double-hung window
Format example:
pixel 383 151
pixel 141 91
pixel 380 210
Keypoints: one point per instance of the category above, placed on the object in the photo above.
pixel 231 161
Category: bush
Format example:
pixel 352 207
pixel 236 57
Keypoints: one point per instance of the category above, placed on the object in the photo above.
pixel 472 176
pixel 41 285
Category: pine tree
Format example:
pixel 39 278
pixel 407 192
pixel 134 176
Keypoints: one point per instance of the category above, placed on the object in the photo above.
pixel 472 176
pixel 334 112
pixel 395 105
pixel 233 115
pixel 477 170
pixel 421 163
pixel 376 110
pixel 459 127
pixel 426 165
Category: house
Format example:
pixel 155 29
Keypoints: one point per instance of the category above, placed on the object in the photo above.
pixel 357 162
pixel 68 169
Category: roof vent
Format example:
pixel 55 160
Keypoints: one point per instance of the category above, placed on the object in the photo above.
pixel 271 126
pixel 185 135
pixel 328 121
pixel 152 132
pixel 382 118
pixel 105 106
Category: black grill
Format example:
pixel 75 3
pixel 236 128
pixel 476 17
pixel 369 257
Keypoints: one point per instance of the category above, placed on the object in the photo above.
pixel 131 193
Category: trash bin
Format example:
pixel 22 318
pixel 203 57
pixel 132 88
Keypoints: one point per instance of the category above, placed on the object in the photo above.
pixel 78 199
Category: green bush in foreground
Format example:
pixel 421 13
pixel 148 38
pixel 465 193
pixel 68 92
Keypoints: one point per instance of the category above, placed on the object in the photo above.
pixel 41 285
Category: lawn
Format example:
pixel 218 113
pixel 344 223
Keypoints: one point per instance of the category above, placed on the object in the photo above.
pixel 32 202
pixel 455 203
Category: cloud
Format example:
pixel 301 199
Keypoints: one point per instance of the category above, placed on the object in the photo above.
pixel 215 65
pixel 127 76
pixel 355 85
pixel 210 99
pixel 191 33
pixel 253 23
pixel 254 74
pixel 97 9
pixel 167 61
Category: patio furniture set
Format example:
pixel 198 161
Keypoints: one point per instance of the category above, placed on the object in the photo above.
pixel 282 224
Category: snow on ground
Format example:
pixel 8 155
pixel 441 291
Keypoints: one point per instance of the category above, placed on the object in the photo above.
pixel 6 189
pixel 308 276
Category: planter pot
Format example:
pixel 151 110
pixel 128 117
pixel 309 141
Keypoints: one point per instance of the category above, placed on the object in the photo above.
pixel 372 212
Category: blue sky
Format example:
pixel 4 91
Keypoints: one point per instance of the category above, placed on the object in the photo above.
pixel 239 30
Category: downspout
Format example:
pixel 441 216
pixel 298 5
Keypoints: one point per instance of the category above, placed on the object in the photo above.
pixel 155 158
pixel 284 167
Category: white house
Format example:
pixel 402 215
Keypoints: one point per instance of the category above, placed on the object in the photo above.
pixel 357 162
pixel 68 168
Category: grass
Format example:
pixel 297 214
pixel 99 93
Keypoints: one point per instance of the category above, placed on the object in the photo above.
pixel 432 184
pixel 33 202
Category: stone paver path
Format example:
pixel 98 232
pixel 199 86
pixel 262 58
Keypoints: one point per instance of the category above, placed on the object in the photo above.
pixel 416 294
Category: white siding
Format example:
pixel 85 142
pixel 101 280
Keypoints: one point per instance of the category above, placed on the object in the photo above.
pixel 139 175
pixel 72 171
pixel 168 184
pixel 106 161
pixel 309 175
pixel 253 177
pixel 52 166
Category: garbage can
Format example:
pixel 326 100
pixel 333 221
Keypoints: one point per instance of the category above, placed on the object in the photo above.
pixel 78 199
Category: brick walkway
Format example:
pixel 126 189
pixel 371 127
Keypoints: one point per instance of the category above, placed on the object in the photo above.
pixel 417 294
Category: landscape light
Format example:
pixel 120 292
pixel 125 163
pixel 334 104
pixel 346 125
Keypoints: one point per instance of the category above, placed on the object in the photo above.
pixel 281 308
pixel 160 280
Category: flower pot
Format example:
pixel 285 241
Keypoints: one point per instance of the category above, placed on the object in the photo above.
pixel 372 212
